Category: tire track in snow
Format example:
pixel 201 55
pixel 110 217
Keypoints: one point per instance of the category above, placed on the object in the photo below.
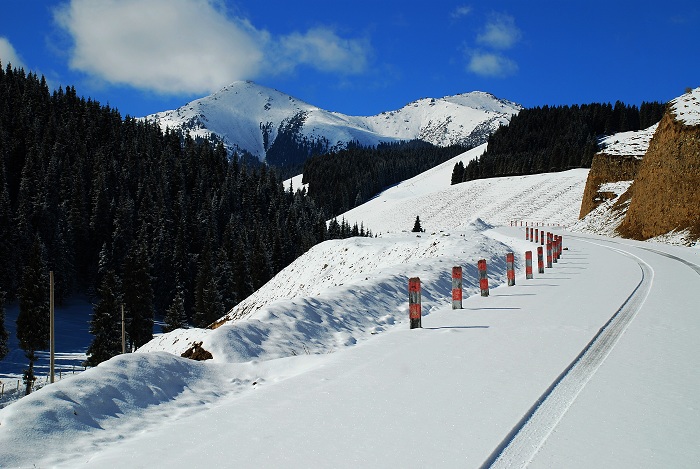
pixel 524 441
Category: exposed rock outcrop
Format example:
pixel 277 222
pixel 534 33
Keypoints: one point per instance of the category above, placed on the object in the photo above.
pixel 606 168
pixel 666 191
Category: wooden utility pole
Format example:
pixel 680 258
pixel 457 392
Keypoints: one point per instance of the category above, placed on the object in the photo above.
pixel 123 332
pixel 52 336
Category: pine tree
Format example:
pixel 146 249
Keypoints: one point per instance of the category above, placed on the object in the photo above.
pixel 175 317
pixel 106 322
pixel 33 317
pixel 137 294
pixel 4 335
pixel 416 226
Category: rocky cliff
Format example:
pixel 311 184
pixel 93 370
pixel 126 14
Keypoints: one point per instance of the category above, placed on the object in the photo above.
pixel 666 191
pixel 618 161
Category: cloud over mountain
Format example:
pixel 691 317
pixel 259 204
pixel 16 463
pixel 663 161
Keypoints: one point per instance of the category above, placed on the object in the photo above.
pixel 192 46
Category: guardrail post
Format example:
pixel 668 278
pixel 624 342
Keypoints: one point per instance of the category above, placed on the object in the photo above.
pixel 483 278
pixel 528 265
pixel 510 261
pixel 554 248
pixel 414 302
pixel 527 234
pixel 456 287
pixel 540 260
pixel 549 255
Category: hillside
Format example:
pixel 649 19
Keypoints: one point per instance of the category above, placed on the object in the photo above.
pixel 664 193
pixel 269 124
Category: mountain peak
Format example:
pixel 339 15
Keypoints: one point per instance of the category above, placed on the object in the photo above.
pixel 250 118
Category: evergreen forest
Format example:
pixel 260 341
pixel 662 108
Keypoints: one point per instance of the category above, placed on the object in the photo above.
pixel 554 138
pixel 347 178
pixel 131 215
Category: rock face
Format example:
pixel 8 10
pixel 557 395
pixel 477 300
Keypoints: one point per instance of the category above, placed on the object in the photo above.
pixel 666 191
pixel 606 168
pixel 618 161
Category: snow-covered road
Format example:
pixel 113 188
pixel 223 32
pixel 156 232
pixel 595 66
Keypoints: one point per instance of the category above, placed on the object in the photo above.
pixel 454 393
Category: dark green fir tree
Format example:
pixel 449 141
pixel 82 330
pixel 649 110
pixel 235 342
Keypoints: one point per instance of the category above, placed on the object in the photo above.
pixel 417 228
pixel 175 317
pixel 105 325
pixel 33 317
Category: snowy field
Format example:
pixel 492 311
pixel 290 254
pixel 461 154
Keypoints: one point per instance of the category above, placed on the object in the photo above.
pixel 590 364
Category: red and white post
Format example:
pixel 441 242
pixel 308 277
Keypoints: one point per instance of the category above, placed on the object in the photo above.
pixel 456 287
pixel 527 234
pixel 483 278
pixel 528 265
pixel 510 267
pixel 537 236
pixel 532 235
pixel 560 247
pixel 540 260
pixel 555 244
pixel 549 255
pixel 414 302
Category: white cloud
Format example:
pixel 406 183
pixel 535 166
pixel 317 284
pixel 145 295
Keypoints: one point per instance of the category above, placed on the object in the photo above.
pixel 323 49
pixel 491 65
pixel 459 12
pixel 9 55
pixel 500 33
pixel 191 46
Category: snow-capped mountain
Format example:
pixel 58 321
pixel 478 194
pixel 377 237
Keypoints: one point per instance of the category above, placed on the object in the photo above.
pixel 261 121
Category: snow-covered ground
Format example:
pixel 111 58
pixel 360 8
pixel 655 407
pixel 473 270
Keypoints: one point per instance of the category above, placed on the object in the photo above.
pixel 686 108
pixel 591 364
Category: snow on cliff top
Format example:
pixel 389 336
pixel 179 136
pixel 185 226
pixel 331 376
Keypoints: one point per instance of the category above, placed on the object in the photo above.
pixel 632 143
pixel 686 108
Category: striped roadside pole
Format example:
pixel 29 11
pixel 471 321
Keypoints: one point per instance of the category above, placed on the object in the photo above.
pixel 537 236
pixel 560 247
pixel 527 234
pixel 549 255
pixel 540 260
pixel 456 287
pixel 510 261
pixel 555 245
pixel 414 302
pixel 483 278
pixel 528 265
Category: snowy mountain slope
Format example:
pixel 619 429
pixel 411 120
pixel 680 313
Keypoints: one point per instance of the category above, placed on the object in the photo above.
pixel 550 198
pixel 248 117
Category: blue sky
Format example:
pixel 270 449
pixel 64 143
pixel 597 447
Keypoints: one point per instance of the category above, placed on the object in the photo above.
pixel 357 57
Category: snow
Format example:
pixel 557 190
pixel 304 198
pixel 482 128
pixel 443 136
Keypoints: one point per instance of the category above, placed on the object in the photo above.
pixel 633 143
pixel 591 364
pixel 442 121
pixel 686 108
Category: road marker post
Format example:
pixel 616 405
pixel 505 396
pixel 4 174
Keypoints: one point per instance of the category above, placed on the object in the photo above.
pixel 456 287
pixel 528 265
pixel 483 278
pixel 414 302
pixel 510 261
pixel 540 260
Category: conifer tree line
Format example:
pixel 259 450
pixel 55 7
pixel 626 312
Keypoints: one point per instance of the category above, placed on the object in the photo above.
pixel 347 178
pixel 132 215
pixel 556 138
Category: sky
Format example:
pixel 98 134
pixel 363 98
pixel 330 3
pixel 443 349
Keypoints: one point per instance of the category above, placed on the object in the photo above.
pixel 357 57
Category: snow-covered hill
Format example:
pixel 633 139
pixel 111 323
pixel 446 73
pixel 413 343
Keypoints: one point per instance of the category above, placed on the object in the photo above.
pixel 587 365
pixel 249 117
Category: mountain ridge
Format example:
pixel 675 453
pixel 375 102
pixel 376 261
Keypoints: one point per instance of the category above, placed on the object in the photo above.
pixel 251 118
